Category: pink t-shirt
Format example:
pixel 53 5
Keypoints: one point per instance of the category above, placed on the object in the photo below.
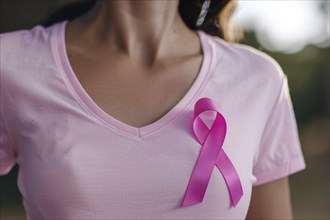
pixel 77 162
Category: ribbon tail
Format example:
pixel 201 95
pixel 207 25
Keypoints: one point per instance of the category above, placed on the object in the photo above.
pixel 205 164
pixel 231 177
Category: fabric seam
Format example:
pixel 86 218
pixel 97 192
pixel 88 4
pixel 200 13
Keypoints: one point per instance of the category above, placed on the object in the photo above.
pixel 285 169
pixel 269 116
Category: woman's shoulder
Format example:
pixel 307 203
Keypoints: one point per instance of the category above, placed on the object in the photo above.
pixel 12 38
pixel 248 60
pixel 25 48
pixel 25 42
pixel 12 43
pixel 24 53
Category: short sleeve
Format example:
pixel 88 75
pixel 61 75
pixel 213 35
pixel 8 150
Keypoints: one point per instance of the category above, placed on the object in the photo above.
pixel 280 151
pixel 7 152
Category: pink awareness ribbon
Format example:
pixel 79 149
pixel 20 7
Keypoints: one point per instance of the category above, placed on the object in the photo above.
pixel 211 154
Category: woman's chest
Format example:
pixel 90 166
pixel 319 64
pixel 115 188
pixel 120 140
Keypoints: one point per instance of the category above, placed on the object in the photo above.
pixel 89 167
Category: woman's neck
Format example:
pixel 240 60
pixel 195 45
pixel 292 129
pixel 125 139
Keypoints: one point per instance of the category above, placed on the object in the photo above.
pixel 144 30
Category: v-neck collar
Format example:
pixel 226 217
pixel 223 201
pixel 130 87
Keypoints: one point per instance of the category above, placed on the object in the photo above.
pixel 88 103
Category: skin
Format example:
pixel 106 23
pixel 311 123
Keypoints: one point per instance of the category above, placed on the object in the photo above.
pixel 136 55
pixel 141 57
pixel 271 201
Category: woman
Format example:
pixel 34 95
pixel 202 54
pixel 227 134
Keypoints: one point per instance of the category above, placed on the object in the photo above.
pixel 97 110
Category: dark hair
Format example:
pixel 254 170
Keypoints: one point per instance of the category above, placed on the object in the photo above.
pixel 216 23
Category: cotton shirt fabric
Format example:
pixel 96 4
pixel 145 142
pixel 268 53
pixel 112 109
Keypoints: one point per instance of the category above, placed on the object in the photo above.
pixel 78 162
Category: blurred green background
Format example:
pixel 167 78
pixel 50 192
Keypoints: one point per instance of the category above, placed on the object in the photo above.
pixel 307 69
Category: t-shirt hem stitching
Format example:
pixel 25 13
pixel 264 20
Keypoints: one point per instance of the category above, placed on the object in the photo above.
pixel 283 170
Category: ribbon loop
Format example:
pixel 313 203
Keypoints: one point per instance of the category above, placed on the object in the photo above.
pixel 211 155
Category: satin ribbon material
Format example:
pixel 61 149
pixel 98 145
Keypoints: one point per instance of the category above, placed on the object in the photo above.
pixel 211 154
